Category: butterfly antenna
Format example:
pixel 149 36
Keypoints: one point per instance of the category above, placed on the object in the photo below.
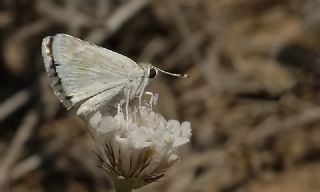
pixel 173 74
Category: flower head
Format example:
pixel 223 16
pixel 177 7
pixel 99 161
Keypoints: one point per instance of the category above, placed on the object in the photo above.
pixel 138 151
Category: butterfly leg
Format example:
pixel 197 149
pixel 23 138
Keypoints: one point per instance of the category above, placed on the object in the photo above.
pixel 127 107
pixel 119 106
pixel 153 98
pixel 142 92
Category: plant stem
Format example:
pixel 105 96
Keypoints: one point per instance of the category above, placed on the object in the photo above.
pixel 122 185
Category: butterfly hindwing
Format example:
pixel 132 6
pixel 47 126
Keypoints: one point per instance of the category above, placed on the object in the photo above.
pixel 95 102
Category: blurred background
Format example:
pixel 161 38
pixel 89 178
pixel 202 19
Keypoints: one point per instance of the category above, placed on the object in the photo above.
pixel 252 97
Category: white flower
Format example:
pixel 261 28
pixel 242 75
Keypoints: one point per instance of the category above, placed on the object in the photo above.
pixel 138 151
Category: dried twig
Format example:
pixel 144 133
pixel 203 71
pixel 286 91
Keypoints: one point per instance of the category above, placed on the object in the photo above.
pixel 17 50
pixel 271 128
pixel 16 147
pixel 26 166
pixel 14 103
pixel 185 49
pixel 58 14
pixel 116 20
pixel 33 162
pixel 184 29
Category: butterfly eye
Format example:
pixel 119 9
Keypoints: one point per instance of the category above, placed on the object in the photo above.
pixel 152 73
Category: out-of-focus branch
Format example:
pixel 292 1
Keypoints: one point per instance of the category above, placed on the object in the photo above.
pixel 53 148
pixel 13 103
pixel 116 20
pixel 16 147
pixel 62 15
pixel 16 49
pixel 271 128
pixel 184 29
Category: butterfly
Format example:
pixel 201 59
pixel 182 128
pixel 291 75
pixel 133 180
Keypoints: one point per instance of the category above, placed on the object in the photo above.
pixel 84 74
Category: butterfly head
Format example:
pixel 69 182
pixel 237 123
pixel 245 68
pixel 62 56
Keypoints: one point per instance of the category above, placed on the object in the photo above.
pixel 152 71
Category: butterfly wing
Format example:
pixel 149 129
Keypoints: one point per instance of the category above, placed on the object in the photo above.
pixel 80 71
pixel 95 102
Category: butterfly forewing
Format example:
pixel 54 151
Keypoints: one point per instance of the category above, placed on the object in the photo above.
pixel 80 71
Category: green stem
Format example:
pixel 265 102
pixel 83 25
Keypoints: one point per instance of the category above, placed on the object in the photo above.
pixel 122 185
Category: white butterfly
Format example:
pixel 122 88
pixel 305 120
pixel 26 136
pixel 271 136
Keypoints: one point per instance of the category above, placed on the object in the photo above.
pixel 93 76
